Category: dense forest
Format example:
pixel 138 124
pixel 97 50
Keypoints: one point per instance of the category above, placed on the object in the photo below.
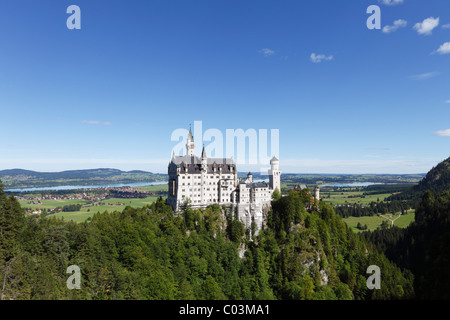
pixel 423 246
pixel 148 253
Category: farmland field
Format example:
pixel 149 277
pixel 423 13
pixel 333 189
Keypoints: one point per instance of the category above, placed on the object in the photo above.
pixel 112 204
pixel 352 197
pixel 86 212
pixel 363 197
pixel 89 208
pixel 373 222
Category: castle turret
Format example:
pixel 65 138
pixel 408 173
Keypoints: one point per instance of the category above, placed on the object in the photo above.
pixel 274 174
pixel 317 193
pixel 204 159
pixel 190 147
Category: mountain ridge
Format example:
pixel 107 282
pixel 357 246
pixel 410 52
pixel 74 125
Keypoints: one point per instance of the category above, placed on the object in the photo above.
pixel 437 180
pixel 19 178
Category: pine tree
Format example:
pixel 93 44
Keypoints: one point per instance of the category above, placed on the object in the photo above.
pixel 11 223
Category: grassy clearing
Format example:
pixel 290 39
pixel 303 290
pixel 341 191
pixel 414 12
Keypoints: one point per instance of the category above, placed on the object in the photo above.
pixel 154 188
pixel 79 216
pixel 352 197
pixel 47 204
pixel 405 220
pixel 373 222
pixel 110 205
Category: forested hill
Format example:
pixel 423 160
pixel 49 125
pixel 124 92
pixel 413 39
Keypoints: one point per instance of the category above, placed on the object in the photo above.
pixel 422 247
pixel 19 178
pixel 148 253
pixel 437 180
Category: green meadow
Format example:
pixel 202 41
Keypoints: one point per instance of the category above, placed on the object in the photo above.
pixel 352 197
pixel 112 204
pixel 373 222
pixel 91 207
pixel 109 205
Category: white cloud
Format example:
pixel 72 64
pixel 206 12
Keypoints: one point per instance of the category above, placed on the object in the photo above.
pixel 106 123
pixel 426 26
pixel 397 24
pixel 425 76
pixel 320 57
pixel 446 26
pixel 444 49
pixel 443 133
pixel 267 52
pixel 390 2
pixel 447 101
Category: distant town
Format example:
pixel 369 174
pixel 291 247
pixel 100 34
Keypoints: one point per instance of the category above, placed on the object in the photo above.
pixel 92 197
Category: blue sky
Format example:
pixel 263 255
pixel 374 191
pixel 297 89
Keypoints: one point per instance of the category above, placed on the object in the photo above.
pixel 112 93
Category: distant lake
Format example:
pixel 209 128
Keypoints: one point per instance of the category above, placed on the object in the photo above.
pixel 112 185
pixel 353 184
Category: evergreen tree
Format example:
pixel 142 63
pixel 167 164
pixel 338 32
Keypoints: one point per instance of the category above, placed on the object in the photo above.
pixel 148 253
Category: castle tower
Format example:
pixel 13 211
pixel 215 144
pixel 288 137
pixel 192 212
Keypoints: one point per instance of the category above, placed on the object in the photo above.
pixel 317 193
pixel 204 159
pixel 274 174
pixel 190 147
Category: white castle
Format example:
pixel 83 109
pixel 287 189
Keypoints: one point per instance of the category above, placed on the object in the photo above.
pixel 203 181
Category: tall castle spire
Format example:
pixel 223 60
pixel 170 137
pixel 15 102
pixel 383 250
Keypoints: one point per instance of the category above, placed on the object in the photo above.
pixel 203 153
pixel 190 147
pixel 204 159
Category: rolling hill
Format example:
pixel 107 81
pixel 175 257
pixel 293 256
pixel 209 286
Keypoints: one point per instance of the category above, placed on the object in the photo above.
pixel 437 180
pixel 19 178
